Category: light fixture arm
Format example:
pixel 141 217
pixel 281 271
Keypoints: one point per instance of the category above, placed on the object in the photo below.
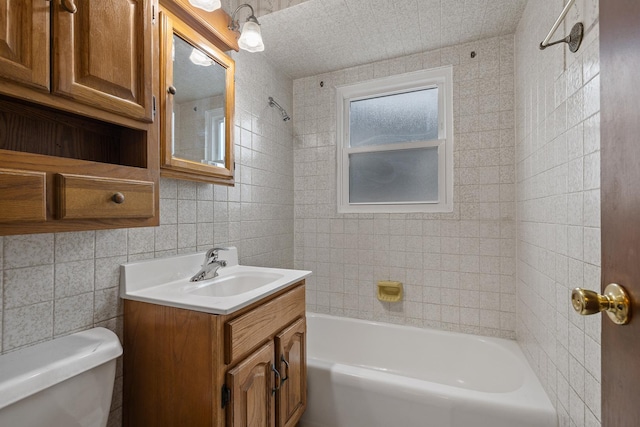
pixel 235 24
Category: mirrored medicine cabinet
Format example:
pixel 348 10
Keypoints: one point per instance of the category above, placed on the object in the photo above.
pixel 197 107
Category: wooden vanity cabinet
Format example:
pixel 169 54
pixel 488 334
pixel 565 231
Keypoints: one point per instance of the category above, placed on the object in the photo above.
pixel 246 369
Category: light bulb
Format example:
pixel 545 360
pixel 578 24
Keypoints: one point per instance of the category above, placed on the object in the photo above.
pixel 199 58
pixel 208 5
pixel 251 37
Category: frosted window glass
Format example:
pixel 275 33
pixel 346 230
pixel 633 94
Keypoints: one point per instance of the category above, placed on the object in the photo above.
pixel 394 176
pixel 404 117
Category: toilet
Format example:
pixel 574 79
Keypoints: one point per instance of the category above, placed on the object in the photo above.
pixel 66 382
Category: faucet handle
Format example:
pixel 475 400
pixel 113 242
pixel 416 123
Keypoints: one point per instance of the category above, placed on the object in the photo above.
pixel 212 254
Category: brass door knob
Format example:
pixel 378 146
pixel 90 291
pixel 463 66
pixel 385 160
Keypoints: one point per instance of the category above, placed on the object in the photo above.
pixel 615 302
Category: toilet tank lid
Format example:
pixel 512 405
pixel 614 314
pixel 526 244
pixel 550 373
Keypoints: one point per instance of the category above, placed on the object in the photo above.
pixel 32 369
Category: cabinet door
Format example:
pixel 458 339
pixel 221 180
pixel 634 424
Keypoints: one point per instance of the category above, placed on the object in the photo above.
pixel 24 42
pixel 291 358
pixel 102 54
pixel 252 400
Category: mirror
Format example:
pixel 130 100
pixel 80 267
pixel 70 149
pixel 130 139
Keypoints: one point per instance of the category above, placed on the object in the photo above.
pixel 198 115
pixel 198 131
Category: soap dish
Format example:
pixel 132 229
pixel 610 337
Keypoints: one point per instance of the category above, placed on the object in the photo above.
pixel 389 291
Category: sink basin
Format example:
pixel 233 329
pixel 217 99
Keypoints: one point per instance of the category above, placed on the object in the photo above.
pixel 233 284
pixel 165 281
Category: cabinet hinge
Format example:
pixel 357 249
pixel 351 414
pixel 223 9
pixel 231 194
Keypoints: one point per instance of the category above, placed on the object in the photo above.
pixel 226 395
pixel 153 106
pixel 153 14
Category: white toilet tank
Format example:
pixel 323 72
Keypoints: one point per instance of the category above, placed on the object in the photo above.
pixel 66 382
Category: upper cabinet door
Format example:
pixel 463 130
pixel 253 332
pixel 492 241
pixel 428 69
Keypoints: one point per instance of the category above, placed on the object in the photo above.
pixel 24 42
pixel 102 54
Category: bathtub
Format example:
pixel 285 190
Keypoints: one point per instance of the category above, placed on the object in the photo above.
pixel 369 374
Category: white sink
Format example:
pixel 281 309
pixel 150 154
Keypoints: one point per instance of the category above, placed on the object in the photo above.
pixel 165 281
pixel 233 284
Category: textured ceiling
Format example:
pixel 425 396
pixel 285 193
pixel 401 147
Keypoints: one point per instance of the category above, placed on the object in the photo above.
pixel 319 36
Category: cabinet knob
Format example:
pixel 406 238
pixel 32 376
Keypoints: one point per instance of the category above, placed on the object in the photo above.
pixel 118 198
pixel 172 90
pixel 68 6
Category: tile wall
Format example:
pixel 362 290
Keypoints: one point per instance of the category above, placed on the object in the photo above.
pixel 458 269
pixel 55 284
pixel 558 198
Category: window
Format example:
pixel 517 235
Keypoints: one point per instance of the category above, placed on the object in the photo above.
pixel 214 137
pixel 395 143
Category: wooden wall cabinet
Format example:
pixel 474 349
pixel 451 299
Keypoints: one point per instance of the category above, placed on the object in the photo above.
pixel 198 96
pixel 247 369
pixel 97 53
pixel 24 42
pixel 102 54
pixel 77 96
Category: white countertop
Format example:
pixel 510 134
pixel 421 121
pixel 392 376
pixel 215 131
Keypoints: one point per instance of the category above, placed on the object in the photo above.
pixel 165 281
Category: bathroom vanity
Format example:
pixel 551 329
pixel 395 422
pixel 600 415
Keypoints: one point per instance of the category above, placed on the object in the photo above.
pixel 239 364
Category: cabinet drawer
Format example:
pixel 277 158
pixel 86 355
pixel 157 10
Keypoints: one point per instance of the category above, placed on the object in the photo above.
pixel 246 332
pixel 89 197
pixel 22 196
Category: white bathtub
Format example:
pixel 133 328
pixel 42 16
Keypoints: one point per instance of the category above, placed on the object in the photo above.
pixel 369 374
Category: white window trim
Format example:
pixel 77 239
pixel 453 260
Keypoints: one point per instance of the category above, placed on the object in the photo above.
pixel 441 77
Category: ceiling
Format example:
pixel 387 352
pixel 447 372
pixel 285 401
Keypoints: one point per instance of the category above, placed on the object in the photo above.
pixel 319 36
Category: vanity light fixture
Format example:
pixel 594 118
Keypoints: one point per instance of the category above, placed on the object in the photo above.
pixel 200 58
pixel 250 36
pixel 208 5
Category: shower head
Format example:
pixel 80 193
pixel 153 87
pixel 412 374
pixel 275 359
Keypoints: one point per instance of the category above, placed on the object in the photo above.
pixel 273 103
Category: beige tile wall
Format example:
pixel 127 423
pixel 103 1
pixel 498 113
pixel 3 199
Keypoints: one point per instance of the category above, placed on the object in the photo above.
pixel 558 193
pixel 458 269
pixel 55 284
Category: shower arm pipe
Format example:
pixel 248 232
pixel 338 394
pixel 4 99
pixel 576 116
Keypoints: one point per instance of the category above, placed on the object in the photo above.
pixel 273 103
pixel 545 43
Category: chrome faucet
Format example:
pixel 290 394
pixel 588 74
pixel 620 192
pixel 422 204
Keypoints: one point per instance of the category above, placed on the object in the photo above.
pixel 211 265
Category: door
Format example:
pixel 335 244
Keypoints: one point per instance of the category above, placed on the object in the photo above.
pixel 102 54
pixel 291 358
pixel 620 187
pixel 24 42
pixel 252 390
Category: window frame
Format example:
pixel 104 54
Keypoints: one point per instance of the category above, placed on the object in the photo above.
pixel 442 78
